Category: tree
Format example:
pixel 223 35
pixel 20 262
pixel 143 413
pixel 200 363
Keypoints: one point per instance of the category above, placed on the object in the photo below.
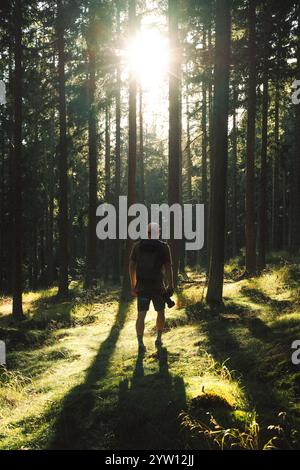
pixel 296 163
pixel 204 198
pixel 174 178
pixel 263 212
pixel 132 147
pixel 234 173
pixel 116 259
pixel 63 156
pixel 219 151
pixel 17 162
pixel 141 148
pixel 250 160
pixel 93 167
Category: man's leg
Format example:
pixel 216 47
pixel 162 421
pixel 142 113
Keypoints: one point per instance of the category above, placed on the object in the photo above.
pixel 140 327
pixel 160 324
pixel 143 307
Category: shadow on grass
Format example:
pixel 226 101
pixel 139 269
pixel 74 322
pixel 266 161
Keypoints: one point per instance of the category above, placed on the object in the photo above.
pixel 36 331
pixel 47 315
pixel 83 420
pixel 260 297
pixel 258 357
pixel 149 406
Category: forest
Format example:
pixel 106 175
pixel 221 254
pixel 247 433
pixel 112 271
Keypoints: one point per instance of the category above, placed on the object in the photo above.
pixel 189 102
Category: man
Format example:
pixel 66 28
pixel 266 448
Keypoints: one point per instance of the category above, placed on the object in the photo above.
pixel 150 260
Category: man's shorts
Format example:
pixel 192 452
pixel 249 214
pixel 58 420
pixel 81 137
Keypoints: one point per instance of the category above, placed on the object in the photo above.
pixel 144 299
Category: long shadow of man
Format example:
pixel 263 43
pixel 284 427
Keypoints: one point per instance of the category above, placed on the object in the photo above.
pixel 149 406
pixel 80 421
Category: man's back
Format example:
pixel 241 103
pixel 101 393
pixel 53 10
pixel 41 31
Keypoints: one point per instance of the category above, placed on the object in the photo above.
pixel 150 256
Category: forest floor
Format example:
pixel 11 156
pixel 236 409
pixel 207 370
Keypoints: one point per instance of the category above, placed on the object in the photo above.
pixel 224 378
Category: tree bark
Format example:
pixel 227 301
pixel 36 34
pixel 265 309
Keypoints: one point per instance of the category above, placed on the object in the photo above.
pixel 188 150
pixel 93 167
pixel 17 162
pixel 295 232
pixel 210 137
pixel 107 243
pixel 132 150
pixel 263 213
pixel 204 157
pixel 250 163
pixel 116 259
pixel 141 147
pixel 107 153
pixel 63 158
pixel 234 176
pixel 50 222
pixel 219 151
pixel 174 180
pixel 275 174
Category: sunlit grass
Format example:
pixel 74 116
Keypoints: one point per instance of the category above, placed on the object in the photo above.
pixel 239 357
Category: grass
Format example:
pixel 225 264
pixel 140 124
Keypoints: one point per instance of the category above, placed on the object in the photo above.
pixel 224 378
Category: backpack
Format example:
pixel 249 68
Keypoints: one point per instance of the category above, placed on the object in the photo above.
pixel 150 260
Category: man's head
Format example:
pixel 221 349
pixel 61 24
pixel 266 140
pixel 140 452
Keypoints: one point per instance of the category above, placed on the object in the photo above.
pixel 153 231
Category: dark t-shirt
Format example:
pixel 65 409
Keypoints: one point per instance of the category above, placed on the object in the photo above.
pixel 158 283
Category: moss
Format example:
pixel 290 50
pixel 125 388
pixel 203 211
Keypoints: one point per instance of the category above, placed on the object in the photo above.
pixel 209 401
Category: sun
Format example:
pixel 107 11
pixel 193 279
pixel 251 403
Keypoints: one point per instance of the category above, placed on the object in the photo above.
pixel 148 57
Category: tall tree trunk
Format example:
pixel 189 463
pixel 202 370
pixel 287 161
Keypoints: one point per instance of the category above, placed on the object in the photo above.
pixel 285 215
pixel 234 175
pixel 182 254
pixel 92 130
pixel 42 251
pixel 63 158
pixel 210 137
pixel 141 147
pixel 263 213
pixel 11 193
pixel 17 162
pixel 34 258
pixel 275 173
pixel 132 149
pixel 107 243
pixel 250 163
pixel 295 231
pixel 219 151
pixel 2 209
pixel 188 151
pixel 116 258
pixel 107 153
pixel 50 222
pixel 190 257
pixel 174 125
pixel 51 195
pixel 204 155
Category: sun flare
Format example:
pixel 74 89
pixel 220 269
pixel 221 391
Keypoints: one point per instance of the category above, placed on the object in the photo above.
pixel 148 57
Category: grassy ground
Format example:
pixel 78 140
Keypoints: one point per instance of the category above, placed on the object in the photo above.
pixel 223 379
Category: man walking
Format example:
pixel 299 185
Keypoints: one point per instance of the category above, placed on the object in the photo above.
pixel 150 261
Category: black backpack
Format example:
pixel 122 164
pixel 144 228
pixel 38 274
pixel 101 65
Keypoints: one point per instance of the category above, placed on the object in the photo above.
pixel 150 260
